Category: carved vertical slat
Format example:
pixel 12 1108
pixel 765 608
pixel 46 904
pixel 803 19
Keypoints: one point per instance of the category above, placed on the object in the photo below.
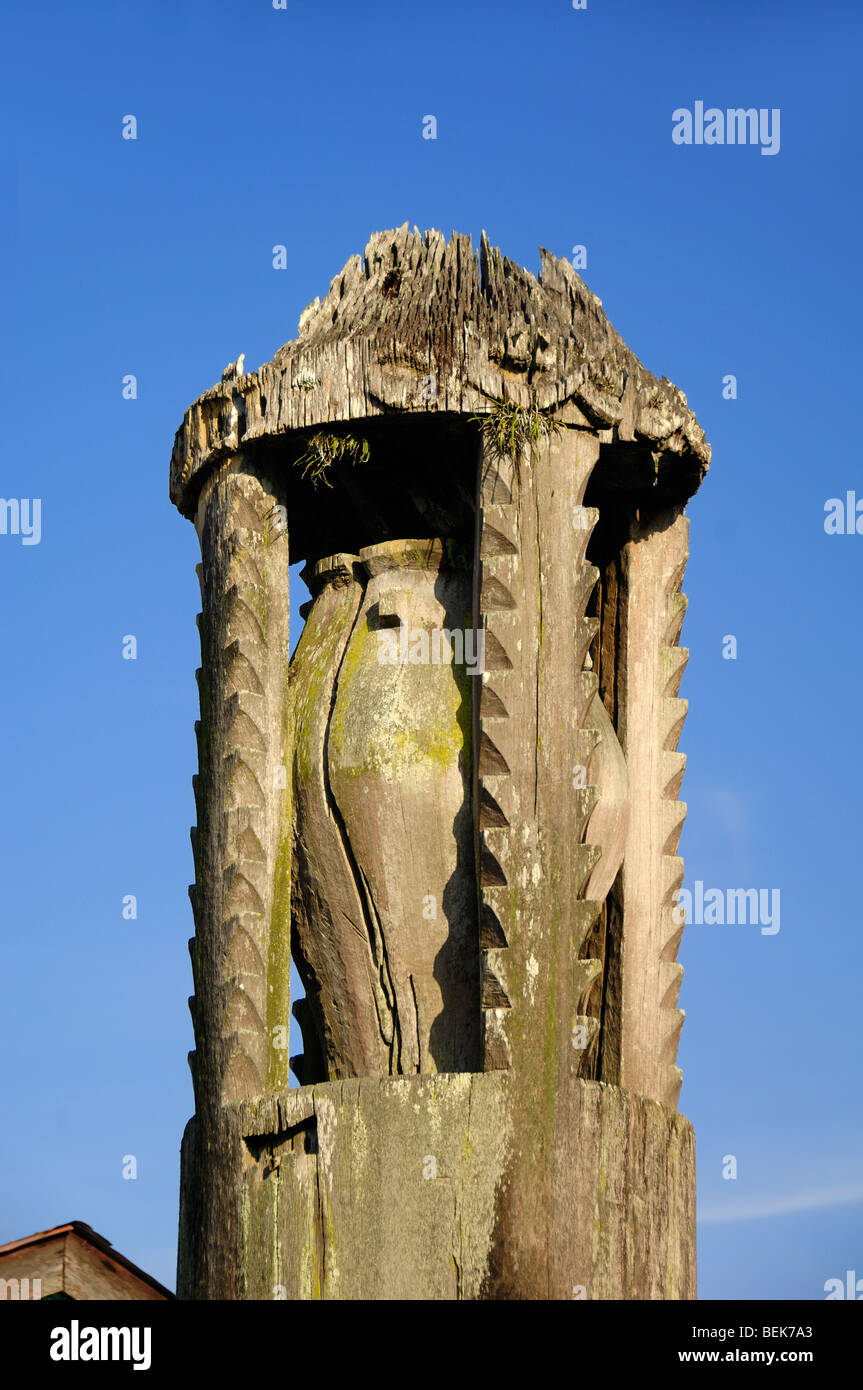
pixel 532 588
pixel 650 720
pixel 533 583
pixel 533 729
pixel 242 911
pixel 497 598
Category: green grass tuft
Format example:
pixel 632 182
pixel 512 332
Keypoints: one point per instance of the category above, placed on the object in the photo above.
pixel 324 449
pixel 510 429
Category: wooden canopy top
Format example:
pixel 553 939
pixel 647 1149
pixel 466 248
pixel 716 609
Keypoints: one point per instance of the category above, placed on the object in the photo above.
pixel 415 306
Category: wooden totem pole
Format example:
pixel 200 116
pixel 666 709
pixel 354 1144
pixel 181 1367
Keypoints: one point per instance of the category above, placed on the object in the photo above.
pixel 455 806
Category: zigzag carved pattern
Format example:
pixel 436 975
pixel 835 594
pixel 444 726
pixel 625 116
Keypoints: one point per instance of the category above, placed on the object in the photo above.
pixel 499 582
pixel 587 972
pixel 497 560
pixel 652 982
pixel 672 662
pixel 230 914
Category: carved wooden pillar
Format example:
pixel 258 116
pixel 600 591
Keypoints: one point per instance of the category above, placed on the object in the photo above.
pixel 241 949
pixel 475 872
pixel 534 584
pixel 650 720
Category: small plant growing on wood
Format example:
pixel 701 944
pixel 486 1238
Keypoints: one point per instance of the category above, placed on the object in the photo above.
pixel 325 449
pixel 511 429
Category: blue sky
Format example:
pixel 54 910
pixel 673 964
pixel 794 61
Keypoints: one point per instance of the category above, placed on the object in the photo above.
pixel 154 257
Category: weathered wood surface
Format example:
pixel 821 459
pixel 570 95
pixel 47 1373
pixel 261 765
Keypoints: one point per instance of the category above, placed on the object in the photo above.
pixel 338 1017
pixel 385 896
pixel 394 1188
pixel 44 1263
pixel 241 948
pixel 536 811
pixel 531 814
pixel 417 306
pixel 89 1273
pixel 399 765
pixel 651 718
pixel 76 1261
